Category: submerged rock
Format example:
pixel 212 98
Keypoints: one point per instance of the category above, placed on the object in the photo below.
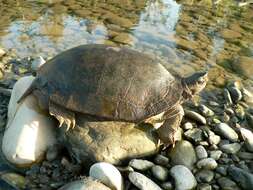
pixel 107 141
pixel 244 65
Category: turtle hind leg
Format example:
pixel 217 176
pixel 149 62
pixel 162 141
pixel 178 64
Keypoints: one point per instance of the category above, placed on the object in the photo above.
pixel 63 115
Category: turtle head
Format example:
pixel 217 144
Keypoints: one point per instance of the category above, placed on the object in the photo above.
pixel 194 84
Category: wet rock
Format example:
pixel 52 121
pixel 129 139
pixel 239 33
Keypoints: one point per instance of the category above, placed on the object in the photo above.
pixel 124 38
pixel 227 97
pixel 183 177
pixel 186 44
pixel 205 110
pixel 195 135
pixel 29 131
pixel 204 176
pixel 142 182
pixel 86 183
pixel 243 178
pixel 107 174
pixel 248 138
pixel 231 148
pixel 226 131
pixel 243 65
pixel 205 187
pixel 235 93
pixel 195 116
pixel 108 141
pixel 161 160
pixel 140 164
pixel 201 152
pixel 14 179
pixel 226 183
pixel 247 95
pixel 183 154
pixel 207 163
pixel 115 19
pixel 160 173
pixel 215 154
pixel 37 63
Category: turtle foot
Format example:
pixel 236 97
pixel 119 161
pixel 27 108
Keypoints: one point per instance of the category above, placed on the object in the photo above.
pixel 63 115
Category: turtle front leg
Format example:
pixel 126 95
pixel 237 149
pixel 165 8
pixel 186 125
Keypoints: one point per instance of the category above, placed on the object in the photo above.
pixel 173 118
pixel 63 115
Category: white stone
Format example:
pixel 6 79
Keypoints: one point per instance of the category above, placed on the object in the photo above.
pixel 248 138
pixel 227 132
pixel 201 152
pixel 29 132
pixel 184 179
pixel 207 163
pixel 107 174
pixel 142 182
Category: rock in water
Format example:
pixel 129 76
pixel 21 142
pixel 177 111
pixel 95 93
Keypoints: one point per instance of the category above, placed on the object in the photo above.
pixel 142 182
pixel 85 184
pixel 29 132
pixel 183 154
pixel 107 174
pixel 243 178
pixel 108 141
pixel 183 177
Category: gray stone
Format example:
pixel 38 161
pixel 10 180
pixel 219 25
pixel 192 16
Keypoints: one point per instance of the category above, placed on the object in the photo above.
pixel 194 135
pixel 228 184
pixel 243 178
pixel 215 154
pixel 167 185
pixel 226 131
pixel 214 139
pixel 142 182
pixel 248 138
pixel 204 187
pixel 201 152
pixel 184 179
pixel 222 170
pixel 108 141
pixel 183 154
pixel 195 116
pixel 245 155
pixel 207 163
pixel 161 160
pixel 235 93
pixel 231 148
pixel 227 97
pixel 140 164
pixel 187 126
pixel 86 183
pixel 160 173
pixel 205 110
pixel 204 176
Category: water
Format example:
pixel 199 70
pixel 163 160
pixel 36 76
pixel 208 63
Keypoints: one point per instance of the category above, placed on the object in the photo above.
pixel 187 35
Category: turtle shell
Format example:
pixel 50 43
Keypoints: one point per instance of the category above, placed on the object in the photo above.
pixel 110 82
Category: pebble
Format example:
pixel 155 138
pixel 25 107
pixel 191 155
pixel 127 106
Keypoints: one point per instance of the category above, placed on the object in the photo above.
pixel 245 155
pixel 194 135
pixel 187 126
pixel 2 52
pixel 140 164
pixel 14 179
pixel 215 154
pixel 183 154
pixel 195 116
pixel 107 174
pixel 161 160
pixel 226 131
pixel 226 183
pixel 207 163
pixel 204 176
pixel 201 152
pixel 205 187
pixel 167 185
pixel 222 170
pixel 184 179
pixel 142 182
pixel 248 138
pixel 231 148
pixel 52 153
pixel 235 93
pixel 160 173
pixel 205 110
pixel 214 139
pixel 247 95
pixel 227 97
pixel 243 178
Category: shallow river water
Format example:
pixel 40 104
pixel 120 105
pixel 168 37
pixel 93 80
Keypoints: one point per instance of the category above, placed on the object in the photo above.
pixel 189 36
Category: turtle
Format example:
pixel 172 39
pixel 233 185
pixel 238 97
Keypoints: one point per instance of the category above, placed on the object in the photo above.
pixel 114 83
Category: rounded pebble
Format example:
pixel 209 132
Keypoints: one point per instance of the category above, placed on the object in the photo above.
pixel 226 131
pixel 140 164
pixel 201 152
pixel 195 116
pixel 207 163
pixel 160 173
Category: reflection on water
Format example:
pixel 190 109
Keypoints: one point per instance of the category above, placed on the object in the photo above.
pixel 187 35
